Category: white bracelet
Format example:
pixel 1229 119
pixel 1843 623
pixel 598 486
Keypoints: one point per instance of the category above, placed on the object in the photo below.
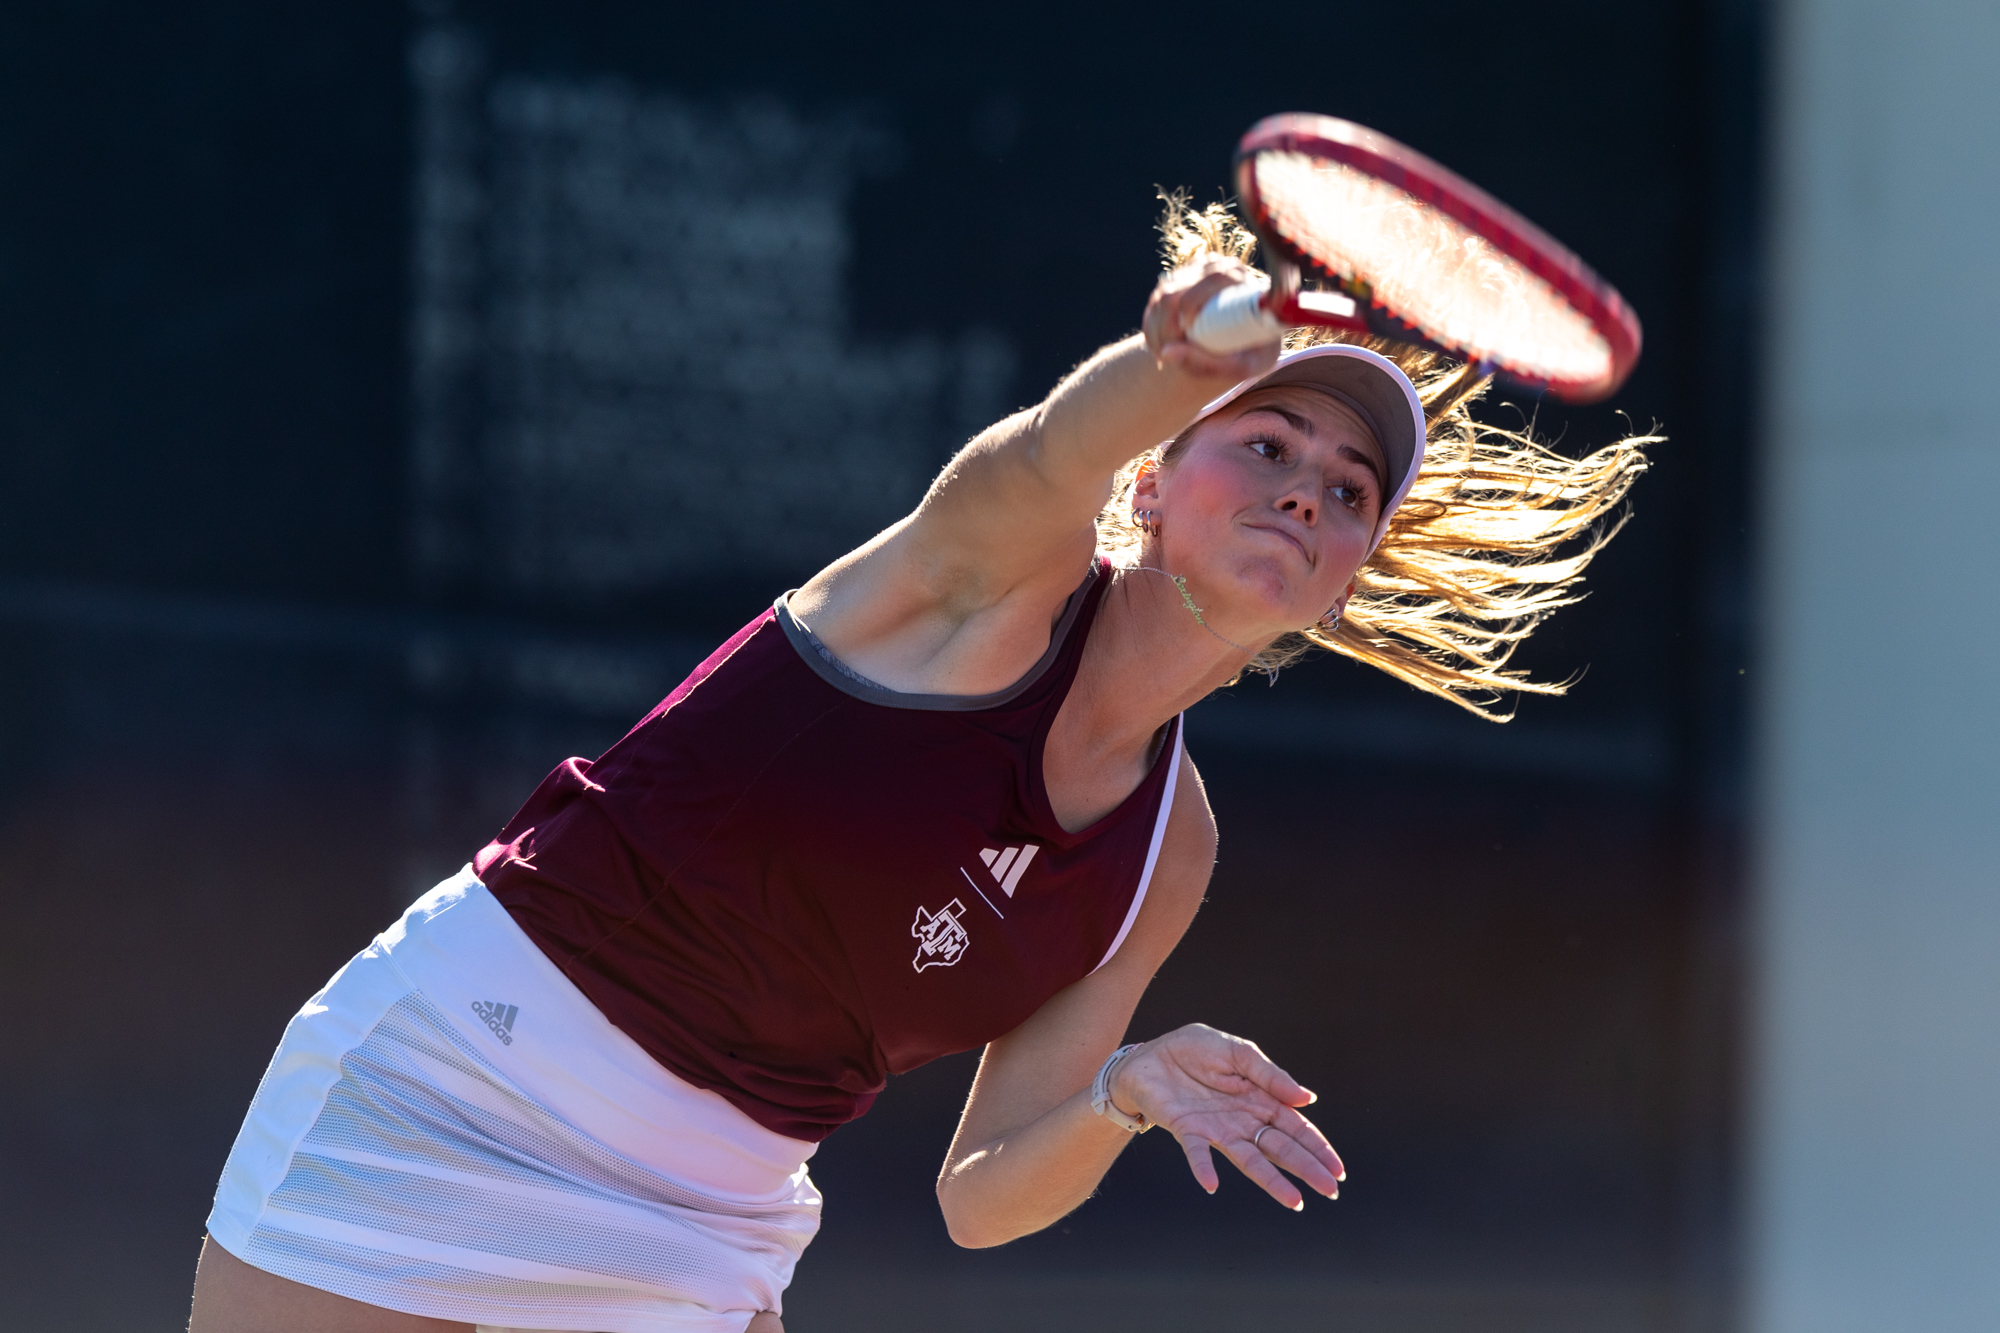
pixel 1100 1094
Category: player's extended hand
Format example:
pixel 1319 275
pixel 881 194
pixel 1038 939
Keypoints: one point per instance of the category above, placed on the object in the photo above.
pixel 1210 1089
pixel 1177 299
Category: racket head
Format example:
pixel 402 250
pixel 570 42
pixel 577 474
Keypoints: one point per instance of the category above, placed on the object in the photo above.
pixel 1430 258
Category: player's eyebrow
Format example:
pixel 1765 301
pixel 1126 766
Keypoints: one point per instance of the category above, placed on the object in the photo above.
pixel 1302 424
pixel 1381 473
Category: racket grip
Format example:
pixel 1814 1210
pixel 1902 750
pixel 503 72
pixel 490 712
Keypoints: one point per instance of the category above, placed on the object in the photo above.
pixel 1236 320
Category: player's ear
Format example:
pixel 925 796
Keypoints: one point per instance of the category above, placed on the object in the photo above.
pixel 1146 483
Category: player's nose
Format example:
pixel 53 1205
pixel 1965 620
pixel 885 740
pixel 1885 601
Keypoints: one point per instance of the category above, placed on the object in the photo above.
pixel 1301 507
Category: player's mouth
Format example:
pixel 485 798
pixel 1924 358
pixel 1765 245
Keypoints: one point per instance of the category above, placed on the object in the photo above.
pixel 1296 544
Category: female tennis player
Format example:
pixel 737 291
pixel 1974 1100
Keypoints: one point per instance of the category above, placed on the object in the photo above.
pixel 936 799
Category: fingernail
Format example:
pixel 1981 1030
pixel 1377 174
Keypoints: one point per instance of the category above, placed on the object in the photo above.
pixel 1299 1207
pixel 1341 1176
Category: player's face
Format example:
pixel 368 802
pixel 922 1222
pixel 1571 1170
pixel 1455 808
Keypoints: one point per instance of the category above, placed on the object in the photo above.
pixel 1270 507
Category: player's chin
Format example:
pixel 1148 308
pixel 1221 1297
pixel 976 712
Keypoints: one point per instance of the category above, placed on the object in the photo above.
pixel 1281 595
pixel 1272 603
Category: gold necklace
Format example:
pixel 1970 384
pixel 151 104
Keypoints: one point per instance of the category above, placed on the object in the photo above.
pixel 1187 600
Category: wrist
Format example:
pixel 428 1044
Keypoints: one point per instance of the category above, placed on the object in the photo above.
pixel 1120 1083
pixel 1116 1107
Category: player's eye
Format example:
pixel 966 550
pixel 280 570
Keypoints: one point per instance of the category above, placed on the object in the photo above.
pixel 1351 496
pixel 1270 449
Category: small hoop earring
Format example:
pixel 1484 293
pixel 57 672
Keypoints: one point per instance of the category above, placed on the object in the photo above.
pixel 1147 521
pixel 1330 622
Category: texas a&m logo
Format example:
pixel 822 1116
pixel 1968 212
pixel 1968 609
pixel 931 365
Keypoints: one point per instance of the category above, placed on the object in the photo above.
pixel 940 936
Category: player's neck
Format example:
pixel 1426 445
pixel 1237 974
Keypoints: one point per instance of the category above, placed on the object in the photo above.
pixel 1148 659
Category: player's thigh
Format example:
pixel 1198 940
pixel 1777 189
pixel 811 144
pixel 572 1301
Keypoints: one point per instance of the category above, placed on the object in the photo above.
pixel 765 1323
pixel 230 1296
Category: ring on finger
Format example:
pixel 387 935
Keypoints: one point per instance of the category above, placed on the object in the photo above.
pixel 1255 1139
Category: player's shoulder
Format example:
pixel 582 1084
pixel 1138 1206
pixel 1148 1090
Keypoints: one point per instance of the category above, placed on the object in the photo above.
pixel 1187 847
pixel 1180 876
pixel 1190 833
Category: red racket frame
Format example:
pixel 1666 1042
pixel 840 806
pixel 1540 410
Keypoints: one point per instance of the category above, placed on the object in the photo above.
pixel 1408 170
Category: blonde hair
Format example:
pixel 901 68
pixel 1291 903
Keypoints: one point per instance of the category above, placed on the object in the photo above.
pixel 1473 559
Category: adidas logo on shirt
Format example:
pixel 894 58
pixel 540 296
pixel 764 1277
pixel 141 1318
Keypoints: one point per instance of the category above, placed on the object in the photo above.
pixel 1007 864
pixel 499 1016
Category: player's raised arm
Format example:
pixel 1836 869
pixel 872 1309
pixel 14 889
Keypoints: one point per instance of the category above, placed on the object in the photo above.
pixel 1028 489
pixel 1014 508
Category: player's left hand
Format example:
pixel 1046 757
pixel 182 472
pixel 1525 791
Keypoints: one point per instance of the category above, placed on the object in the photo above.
pixel 1212 1090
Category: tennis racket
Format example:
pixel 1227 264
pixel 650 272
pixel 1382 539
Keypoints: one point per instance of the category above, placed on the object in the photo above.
pixel 1405 249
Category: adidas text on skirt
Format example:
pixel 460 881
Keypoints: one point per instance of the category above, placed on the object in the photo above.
pixel 451 1129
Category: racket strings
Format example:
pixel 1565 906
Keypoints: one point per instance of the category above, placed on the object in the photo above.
pixel 1427 268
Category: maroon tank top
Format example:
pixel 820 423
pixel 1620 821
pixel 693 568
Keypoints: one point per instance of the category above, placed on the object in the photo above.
pixel 787 883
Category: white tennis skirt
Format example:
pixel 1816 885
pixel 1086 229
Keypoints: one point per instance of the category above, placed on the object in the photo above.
pixel 450 1128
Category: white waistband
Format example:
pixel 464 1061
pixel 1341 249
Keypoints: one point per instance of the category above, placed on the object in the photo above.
pixel 460 947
